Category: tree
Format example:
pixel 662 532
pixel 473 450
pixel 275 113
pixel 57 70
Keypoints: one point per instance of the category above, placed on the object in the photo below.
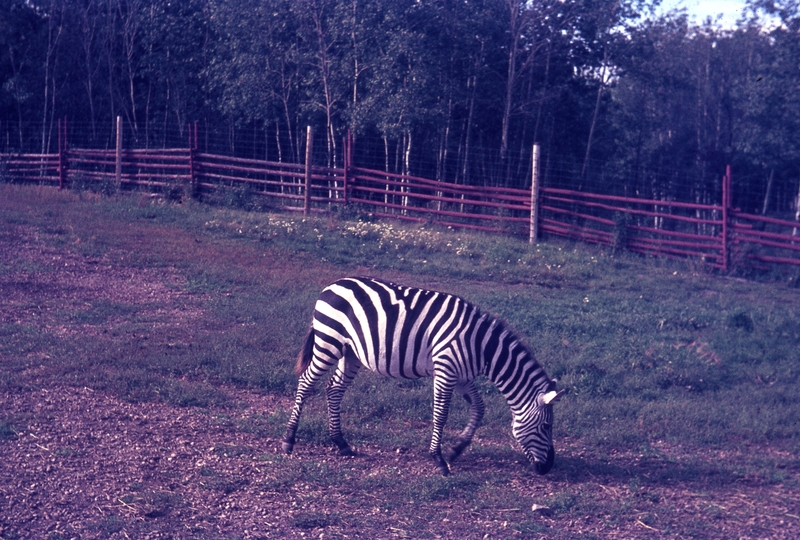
pixel 255 70
pixel 89 30
pixel 455 90
pixel 20 26
pixel 174 52
pixel 769 110
pixel 323 36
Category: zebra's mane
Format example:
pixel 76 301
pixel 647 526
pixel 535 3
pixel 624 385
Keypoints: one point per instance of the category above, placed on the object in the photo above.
pixel 504 325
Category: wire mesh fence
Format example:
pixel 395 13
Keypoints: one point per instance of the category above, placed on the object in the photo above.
pixel 663 212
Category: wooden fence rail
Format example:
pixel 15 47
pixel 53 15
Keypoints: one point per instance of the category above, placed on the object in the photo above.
pixel 718 234
pixel 41 168
pixel 419 199
pixel 648 226
pixel 780 236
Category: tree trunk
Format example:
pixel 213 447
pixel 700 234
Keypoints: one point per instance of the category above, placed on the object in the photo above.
pixel 516 22
pixel 285 96
pixel 406 167
pixel 129 40
pixel 89 28
pixel 468 131
pixel 325 74
pixel 594 118
pixel 444 141
pixel 767 195
pixel 386 167
pixel 355 52
pixel 53 36
pixel 796 209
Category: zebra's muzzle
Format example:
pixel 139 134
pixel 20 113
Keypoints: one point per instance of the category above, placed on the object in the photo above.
pixel 543 467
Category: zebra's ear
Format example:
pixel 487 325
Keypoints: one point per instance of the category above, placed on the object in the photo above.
pixel 552 397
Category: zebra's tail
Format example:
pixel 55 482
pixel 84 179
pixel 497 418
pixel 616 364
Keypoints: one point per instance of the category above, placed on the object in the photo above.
pixel 304 358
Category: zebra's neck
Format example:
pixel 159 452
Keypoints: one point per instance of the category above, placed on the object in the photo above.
pixel 514 370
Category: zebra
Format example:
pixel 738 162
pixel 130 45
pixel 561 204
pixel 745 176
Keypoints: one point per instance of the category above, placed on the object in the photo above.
pixel 408 333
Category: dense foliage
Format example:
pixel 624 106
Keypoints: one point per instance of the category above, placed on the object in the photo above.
pixel 619 98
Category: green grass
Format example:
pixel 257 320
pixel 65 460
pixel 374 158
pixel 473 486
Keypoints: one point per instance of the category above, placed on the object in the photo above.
pixel 664 349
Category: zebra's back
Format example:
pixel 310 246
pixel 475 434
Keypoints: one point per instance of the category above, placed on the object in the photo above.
pixel 392 329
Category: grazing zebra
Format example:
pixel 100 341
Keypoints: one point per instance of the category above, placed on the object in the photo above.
pixel 402 332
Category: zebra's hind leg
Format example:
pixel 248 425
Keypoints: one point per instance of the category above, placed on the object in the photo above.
pixel 338 383
pixel 477 408
pixel 305 387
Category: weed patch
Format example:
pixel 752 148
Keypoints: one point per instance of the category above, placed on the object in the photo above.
pixel 7 431
pixel 437 488
pixel 313 520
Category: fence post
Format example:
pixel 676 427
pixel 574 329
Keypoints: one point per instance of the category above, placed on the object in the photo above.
pixel 192 151
pixel 726 204
pixel 346 164
pixel 534 228
pixel 62 148
pixel 118 172
pixel 309 144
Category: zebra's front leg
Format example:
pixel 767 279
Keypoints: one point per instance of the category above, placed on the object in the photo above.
pixel 477 409
pixel 442 396
pixel 338 383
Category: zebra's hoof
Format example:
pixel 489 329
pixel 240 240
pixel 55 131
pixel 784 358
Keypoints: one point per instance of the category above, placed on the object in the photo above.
pixel 456 450
pixel 346 451
pixel 441 464
pixel 452 454
pixel 287 447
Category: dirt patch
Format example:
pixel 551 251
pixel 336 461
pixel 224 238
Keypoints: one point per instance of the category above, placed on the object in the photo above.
pixel 88 465
pixel 91 466
pixel 47 282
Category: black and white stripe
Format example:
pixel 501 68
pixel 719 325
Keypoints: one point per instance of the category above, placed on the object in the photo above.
pixel 404 332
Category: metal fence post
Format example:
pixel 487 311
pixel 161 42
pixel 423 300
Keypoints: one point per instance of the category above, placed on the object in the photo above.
pixel 62 150
pixel 346 163
pixel 726 204
pixel 534 227
pixel 118 171
pixel 192 151
pixel 309 144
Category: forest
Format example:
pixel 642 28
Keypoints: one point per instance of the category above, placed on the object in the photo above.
pixel 621 99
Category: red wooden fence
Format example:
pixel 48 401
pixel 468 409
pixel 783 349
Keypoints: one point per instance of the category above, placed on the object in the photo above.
pixel 715 233
pixel 780 237
pixel 418 199
pixel 40 168
pixel 668 228
pixel 138 168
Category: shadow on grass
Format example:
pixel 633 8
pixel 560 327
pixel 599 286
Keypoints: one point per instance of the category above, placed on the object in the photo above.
pixel 652 471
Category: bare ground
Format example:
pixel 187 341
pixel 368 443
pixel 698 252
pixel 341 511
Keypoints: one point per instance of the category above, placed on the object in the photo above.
pixel 89 465
pixel 82 463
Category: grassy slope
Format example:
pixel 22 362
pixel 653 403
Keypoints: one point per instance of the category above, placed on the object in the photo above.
pixel 665 349
pixel 651 352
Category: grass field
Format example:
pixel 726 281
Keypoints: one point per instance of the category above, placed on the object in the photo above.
pixel 680 420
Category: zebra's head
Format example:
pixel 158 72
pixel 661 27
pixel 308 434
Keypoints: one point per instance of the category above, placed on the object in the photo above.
pixel 534 429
